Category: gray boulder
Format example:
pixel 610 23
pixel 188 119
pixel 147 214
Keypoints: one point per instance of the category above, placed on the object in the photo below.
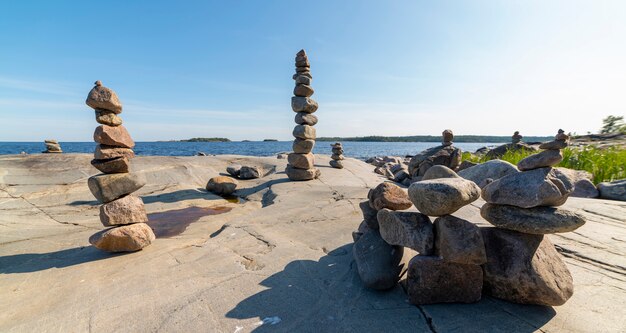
pixel 546 158
pixel 378 263
pixel 233 170
pixel 583 185
pixel 439 171
pixel 536 220
pixel 615 190
pixel 408 229
pixel 369 214
pixel 250 172
pixel 459 241
pixel 443 196
pixel 494 169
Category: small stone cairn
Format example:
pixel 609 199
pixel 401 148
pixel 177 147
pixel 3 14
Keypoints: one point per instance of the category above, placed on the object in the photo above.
pixel 456 259
pixel 516 137
pixel 301 162
pixel 123 212
pixel 337 156
pixel 445 154
pixel 52 146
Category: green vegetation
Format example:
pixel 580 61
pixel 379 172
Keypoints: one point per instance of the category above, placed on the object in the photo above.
pixel 206 140
pixel 437 138
pixel 613 124
pixel 605 164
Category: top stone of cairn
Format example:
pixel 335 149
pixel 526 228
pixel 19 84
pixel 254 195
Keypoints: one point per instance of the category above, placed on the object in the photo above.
pixel 103 98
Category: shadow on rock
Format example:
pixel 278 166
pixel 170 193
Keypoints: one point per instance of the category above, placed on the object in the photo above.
pixel 180 195
pixel 34 262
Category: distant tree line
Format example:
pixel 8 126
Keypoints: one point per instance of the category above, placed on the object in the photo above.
pixel 206 140
pixel 437 138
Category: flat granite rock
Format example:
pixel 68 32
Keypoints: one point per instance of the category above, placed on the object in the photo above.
pixel 536 220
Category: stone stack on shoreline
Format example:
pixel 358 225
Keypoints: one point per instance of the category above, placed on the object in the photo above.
pixel 337 156
pixel 123 212
pixel 301 162
pixel 52 146
pixel 445 154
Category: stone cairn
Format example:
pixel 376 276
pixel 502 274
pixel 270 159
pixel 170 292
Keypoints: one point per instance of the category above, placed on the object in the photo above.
pixel 301 162
pixel 456 259
pixel 516 138
pixel 122 211
pixel 337 156
pixel 52 146
pixel 445 154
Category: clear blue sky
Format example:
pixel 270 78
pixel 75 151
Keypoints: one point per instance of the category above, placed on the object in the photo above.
pixel 223 68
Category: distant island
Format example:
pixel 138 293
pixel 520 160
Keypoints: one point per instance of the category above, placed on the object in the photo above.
pixel 437 138
pixel 269 140
pixel 206 140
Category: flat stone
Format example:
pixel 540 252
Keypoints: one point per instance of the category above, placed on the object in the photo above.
pixel 301 161
pixel 554 145
pixel 494 169
pixel 301 174
pixel 113 136
pixel 443 196
pixel 304 132
pixel 337 164
pixel 127 238
pixel 302 69
pixel 53 141
pixel 370 215
pixel 459 241
pixel 524 268
pixel 388 195
pixel 107 188
pixel 303 90
pixel 408 229
pixel 306 73
pixel 431 280
pixel 103 152
pixel 538 187
pixel 303 63
pixel 250 172
pixel 101 97
pixel 234 170
pixel 125 210
pixel 222 185
pixel 302 146
pixel 546 158
pixel 303 104
pixel 615 190
pixel 303 118
pixel 378 263
pixel 337 157
pixel 301 79
pixel 439 171
pixel 106 117
pixel 112 165
pixel 536 220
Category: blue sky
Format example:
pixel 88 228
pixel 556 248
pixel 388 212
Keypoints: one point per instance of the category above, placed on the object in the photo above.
pixel 223 68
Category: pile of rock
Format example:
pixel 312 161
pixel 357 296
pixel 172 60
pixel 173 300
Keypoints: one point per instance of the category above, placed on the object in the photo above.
pixel 245 171
pixel 445 154
pixel 52 146
pixel 337 156
pixel 301 162
pixel 516 145
pixel 122 211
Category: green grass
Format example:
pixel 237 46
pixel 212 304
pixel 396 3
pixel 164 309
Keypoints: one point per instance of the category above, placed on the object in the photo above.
pixel 606 164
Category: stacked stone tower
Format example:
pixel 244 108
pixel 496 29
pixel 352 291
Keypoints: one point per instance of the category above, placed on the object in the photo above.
pixel 52 146
pixel 337 156
pixel 301 161
pixel 123 212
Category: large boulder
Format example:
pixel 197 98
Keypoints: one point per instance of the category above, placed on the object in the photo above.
pixel 538 187
pixel 408 229
pixel 126 238
pixel 449 156
pixel 431 280
pixel 443 196
pixel 101 97
pixel 222 185
pixel 388 195
pixel 546 158
pixel 524 268
pixel 116 136
pixel 536 220
pixel 378 263
pixel 493 169
pixel 459 241
pixel 107 188
pixel 125 210
pixel 615 190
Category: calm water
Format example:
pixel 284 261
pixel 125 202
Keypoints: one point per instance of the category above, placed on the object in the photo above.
pixel 361 150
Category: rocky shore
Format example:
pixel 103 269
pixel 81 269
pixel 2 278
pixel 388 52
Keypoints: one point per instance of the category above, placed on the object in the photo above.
pixel 275 256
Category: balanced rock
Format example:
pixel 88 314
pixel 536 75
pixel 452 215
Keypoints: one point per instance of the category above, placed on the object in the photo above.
pixel 536 220
pixel 112 165
pixel 304 132
pixel 388 195
pixel 301 161
pixel 378 263
pixel 301 174
pixel 303 104
pixel 126 238
pixel 104 152
pixel 303 118
pixel 302 146
pixel 516 137
pixel 408 229
pixel 106 117
pixel 443 196
pixel 538 187
pixel 615 190
pixel 125 210
pixel 439 171
pixel 494 169
pixel 459 241
pixel 222 185
pixel 524 268
pixel 546 158
pixel 303 90
pixel 107 188
pixel 431 280
pixel 113 136
pixel 370 215
pixel 101 97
